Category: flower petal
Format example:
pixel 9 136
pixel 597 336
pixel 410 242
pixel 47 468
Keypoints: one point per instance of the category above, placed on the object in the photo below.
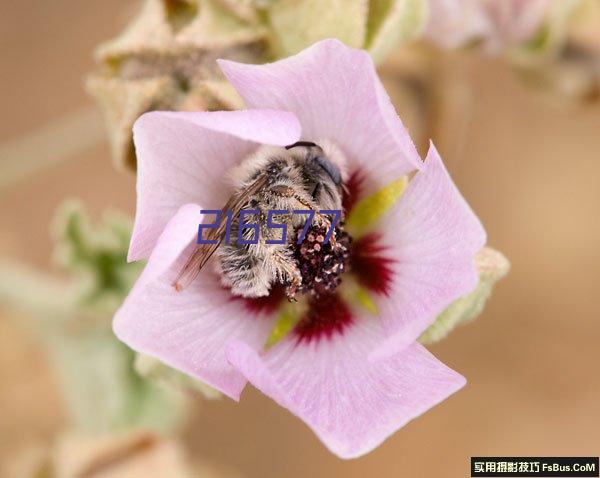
pixel 432 237
pixel 455 23
pixel 336 94
pixel 183 158
pixel 499 23
pixel 514 21
pixel 350 403
pixel 187 330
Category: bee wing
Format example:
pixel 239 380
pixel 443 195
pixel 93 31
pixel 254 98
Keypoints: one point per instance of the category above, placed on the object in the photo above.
pixel 204 252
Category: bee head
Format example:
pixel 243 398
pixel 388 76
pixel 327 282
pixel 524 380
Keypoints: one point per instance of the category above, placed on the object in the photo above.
pixel 331 169
pixel 322 178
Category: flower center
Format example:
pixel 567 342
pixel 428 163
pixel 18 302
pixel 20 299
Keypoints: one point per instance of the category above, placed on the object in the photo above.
pixel 328 308
pixel 324 317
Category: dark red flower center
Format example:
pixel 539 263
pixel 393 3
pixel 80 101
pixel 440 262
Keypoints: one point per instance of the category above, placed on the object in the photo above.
pixel 325 316
pixel 370 266
pixel 323 268
pixel 264 305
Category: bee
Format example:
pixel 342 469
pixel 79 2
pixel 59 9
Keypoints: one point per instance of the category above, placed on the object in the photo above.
pixel 301 176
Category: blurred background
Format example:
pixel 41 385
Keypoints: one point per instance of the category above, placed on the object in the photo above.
pixel 527 161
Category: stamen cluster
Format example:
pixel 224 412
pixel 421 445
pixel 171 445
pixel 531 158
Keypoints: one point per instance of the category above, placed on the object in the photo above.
pixel 322 264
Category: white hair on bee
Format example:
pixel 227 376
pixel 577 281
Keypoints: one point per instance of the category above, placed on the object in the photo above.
pixel 258 160
pixel 261 157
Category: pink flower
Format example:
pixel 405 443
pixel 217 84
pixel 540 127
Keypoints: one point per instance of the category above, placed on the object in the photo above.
pixel 497 23
pixel 353 377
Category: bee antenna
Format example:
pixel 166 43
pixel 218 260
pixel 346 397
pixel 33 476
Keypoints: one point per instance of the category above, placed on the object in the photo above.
pixel 307 144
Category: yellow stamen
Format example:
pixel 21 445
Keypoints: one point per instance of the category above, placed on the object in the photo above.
pixel 369 209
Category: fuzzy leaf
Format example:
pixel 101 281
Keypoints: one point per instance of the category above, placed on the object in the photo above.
pixel 154 369
pixel 97 256
pixel 551 36
pixel 297 24
pixel 246 10
pixel 35 294
pixel 224 94
pixel 217 26
pixel 103 391
pixel 492 266
pixel 161 59
pixel 180 12
pixel 369 209
pixel 392 22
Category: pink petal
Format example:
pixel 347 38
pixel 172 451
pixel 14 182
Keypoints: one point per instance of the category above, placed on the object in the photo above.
pixel 433 236
pixel 500 23
pixel 455 23
pixel 514 21
pixel 183 158
pixel 187 330
pixel 336 94
pixel 350 403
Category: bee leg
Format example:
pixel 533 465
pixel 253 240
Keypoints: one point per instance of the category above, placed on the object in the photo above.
pixel 333 240
pixel 291 289
pixel 287 272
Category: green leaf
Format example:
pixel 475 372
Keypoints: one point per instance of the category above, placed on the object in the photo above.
pixel 220 26
pixel 392 22
pixel 368 210
pixel 223 92
pixel 551 36
pixel 492 266
pixel 103 392
pixel 96 255
pixel 247 10
pixel 297 24
pixel 154 369
pixel 180 12
pixel 35 294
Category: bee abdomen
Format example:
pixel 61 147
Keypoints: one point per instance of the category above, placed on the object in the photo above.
pixel 242 272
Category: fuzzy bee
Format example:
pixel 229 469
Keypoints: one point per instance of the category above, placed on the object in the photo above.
pixel 302 176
